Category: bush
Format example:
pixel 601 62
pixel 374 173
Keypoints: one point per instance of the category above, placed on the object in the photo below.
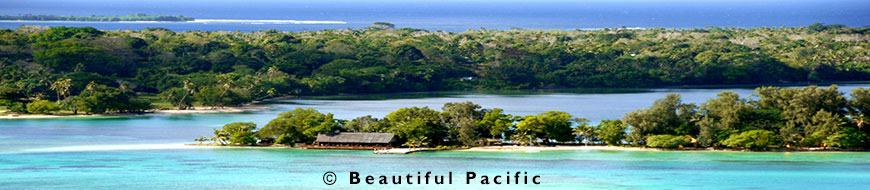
pixel 42 107
pixel 241 132
pixel 612 132
pixel 667 141
pixel 285 139
pixel 847 137
pixel 753 140
pixel 243 137
pixel 18 107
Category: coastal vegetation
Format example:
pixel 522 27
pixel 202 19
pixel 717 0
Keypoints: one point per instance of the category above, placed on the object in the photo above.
pixel 773 118
pixel 98 18
pixel 85 70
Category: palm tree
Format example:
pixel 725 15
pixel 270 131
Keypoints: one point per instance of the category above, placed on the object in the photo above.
pixel 221 136
pixel 416 142
pixel 584 130
pixel 859 121
pixel 61 87
pixel 201 139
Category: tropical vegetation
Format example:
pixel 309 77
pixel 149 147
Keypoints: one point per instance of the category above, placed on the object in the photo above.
pixel 773 118
pixel 85 70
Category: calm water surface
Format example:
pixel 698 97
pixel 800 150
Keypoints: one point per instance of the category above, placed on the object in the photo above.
pixel 456 15
pixel 145 152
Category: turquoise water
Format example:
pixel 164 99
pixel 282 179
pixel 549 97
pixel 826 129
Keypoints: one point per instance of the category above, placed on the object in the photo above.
pixel 296 169
pixel 146 152
pixel 455 15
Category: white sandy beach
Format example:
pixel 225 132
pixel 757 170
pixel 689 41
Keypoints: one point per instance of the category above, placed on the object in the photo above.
pixel 266 21
pixel 195 110
pixel 550 148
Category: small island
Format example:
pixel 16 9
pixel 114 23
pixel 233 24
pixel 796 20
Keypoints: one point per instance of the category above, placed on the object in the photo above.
pixel 100 18
pixel 811 118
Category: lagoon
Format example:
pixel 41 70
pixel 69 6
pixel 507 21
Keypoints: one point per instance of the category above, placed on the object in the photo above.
pixel 146 152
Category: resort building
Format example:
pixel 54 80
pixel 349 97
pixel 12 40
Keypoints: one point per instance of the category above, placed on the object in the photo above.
pixel 351 140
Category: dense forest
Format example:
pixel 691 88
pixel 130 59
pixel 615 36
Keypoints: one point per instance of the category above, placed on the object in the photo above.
pixel 97 18
pixel 776 118
pixel 85 70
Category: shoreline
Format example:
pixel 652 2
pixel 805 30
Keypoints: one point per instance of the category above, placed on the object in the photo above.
pixel 196 110
pixel 401 150
pixel 533 149
pixel 514 148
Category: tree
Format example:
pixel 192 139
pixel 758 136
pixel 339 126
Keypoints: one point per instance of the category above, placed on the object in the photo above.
pixel 407 52
pixel 68 55
pixel 667 116
pixel 61 87
pixel 722 116
pixel 461 119
pixel 753 140
pixel 859 107
pixel 240 132
pixel 299 125
pixel 417 124
pixel 847 137
pixel 98 99
pixel 547 126
pixel 72 103
pixel 367 124
pixel 220 137
pixel 667 141
pixel 179 98
pixel 611 132
pixel 42 107
pixel 201 139
pixel 821 126
pixel 182 98
pixel 497 123
pixel 585 131
pixel 799 106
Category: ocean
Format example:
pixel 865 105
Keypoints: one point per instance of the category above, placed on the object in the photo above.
pixel 454 15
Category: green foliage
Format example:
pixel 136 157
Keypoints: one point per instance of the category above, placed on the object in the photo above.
pixel 367 124
pixel 241 132
pixel 753 140
pixel 611 132
pixel 179 98
pixel 99 99
pixel 61 33
pixel 42 107
pixel 236 68
pixel 721 116
pixel 417 125
pixel 547 126
pixel 18 107
pixel 461 118
pixel 75 56
pixel 667 141
pixel 799 106
pixel 859 107
pixel 667 116
pixel 497 123
pixel 847 137
pixel 298 126
pixel 586 133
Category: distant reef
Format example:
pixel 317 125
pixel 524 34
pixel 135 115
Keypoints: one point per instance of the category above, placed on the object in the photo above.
pixel 98 18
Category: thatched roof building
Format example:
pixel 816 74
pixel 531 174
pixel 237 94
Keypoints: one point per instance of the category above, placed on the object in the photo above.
pixel 351 138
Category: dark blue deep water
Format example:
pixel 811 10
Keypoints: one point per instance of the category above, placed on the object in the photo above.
pixel 456 15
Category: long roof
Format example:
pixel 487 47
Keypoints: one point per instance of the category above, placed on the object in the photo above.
pixel 350 137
